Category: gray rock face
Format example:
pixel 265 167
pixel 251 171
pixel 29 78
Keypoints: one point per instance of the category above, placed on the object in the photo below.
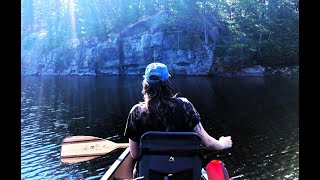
pixel 256 70
pixel 125 53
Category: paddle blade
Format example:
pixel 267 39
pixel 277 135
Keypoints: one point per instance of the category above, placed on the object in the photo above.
pixel 82 148
pixel 70 160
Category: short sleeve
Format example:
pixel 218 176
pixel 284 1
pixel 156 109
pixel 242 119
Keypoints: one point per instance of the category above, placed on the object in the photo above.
pixel 192 116
pixel 131 130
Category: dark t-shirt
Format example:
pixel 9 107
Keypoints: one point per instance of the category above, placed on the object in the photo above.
pixel 183 119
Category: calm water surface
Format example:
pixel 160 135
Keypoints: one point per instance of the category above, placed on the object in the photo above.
pixel 261 115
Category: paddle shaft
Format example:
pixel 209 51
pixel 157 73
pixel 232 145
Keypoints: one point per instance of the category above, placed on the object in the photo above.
pixel 122 145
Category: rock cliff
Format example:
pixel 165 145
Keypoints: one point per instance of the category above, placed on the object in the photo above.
pixel 127 52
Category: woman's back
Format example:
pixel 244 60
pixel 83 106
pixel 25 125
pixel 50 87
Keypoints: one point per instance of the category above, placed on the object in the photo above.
pixel 180 116
pixel 162 111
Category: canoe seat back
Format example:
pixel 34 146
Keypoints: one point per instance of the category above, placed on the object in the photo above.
pixel 170 155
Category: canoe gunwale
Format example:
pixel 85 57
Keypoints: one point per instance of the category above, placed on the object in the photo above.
pixel 113 168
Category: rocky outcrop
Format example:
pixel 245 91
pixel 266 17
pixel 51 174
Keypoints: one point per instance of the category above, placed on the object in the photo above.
pixel 150 39
pixel 127 52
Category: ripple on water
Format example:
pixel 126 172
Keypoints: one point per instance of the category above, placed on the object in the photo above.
pixel 262 119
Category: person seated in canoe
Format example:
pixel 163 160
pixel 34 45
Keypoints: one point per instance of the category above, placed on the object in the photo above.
pixel 162 110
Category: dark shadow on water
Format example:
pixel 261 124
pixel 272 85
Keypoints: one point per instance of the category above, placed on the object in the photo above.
pixel 261 115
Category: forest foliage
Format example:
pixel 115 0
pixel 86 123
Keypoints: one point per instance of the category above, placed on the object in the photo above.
pixel 264 32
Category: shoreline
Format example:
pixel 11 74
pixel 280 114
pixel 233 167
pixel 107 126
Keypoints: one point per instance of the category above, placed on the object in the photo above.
pixel 268 72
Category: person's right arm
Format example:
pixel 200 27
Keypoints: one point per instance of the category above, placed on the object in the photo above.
pixel 210 142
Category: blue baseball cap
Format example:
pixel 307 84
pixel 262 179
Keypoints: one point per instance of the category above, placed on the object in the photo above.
pixel 156 72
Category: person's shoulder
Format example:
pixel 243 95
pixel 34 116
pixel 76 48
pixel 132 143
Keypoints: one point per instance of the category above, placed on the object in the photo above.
pixel 138 107
pixel 186 103
pixel 183 99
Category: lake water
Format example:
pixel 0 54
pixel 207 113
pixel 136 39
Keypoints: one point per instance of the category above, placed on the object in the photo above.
pixel 261 114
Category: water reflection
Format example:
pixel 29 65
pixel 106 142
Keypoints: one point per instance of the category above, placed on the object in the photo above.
pixel 261 115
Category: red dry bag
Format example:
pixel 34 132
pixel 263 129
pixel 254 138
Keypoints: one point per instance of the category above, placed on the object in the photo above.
pixel 216 170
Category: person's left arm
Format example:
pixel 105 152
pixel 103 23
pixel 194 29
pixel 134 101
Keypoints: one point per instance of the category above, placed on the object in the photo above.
pixel 134 149
pixel 132 133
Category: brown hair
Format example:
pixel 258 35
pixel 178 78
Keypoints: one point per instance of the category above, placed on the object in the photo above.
pixel 158 97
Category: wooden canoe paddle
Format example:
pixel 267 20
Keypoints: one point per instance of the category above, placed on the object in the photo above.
pixel 82 148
